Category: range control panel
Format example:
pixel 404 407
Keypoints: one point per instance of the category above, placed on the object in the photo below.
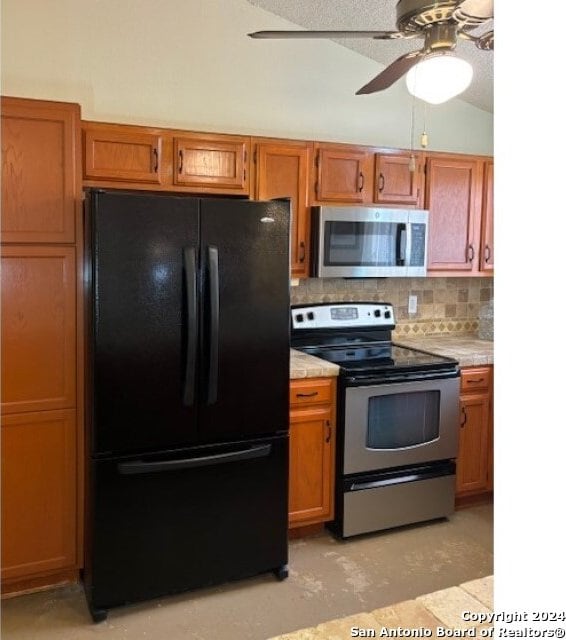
pixel 343 315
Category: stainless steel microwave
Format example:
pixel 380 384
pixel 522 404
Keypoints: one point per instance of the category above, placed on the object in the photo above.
pixel 366 242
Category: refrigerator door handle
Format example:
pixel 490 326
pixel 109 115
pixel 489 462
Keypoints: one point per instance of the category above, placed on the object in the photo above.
pixel 214 311
pixel 139 466
pixel 189 263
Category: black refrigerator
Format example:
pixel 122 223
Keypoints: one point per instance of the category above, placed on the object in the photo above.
pixel 187 393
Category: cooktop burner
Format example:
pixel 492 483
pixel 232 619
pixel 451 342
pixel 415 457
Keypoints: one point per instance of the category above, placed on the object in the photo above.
pixel 357 337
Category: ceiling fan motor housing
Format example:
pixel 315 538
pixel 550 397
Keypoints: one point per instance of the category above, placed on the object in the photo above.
pixel 416 15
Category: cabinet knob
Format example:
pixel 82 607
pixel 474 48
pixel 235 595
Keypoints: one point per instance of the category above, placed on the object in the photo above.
pixel 156 160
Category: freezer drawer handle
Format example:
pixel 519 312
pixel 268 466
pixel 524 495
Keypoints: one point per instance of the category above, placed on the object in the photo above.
pixel 189 260
pixel 137 467
pixel 213 301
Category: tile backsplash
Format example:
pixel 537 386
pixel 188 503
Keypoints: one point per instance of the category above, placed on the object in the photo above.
pixel 444 305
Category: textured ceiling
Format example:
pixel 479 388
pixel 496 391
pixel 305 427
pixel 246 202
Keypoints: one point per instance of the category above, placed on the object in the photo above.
pixel 381 15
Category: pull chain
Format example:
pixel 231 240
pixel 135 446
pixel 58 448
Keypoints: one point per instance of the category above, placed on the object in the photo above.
pixel 412 159
pixel 424 134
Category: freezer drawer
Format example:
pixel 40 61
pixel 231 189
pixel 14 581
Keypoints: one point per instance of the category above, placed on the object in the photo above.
pixel 166 523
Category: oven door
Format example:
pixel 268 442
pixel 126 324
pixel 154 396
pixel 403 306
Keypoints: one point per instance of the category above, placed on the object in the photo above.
pixel 395 424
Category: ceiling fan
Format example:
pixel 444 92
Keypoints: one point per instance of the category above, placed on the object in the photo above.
pixel 439 22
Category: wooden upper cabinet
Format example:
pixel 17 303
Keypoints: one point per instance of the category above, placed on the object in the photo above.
pixel 122 154
pixel 212 163
pixel 281 171
pixel 39 493
pixel 40 170
pixel 395 182
pixel 38 328
pixel 453 198
pixel 343 174
pixel 486 252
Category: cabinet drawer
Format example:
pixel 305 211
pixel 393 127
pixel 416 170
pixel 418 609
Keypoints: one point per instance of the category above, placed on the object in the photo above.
pixel 310 391
pixel 475 379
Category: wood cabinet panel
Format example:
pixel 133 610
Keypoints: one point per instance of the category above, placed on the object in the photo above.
pixel 39 501
pixel 282 172
pixel 344 174
pixel 487 236
pixel 453 198
pixel 124 156
pixel 38 328
pixel 213 163
pixel 311 391
pixel 476 379
pixel 310 465
pixel 40 170
pixel 472 462
pixel 395 183
pixel 312 439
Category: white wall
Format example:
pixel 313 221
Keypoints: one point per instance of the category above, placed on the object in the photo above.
pixel 189 64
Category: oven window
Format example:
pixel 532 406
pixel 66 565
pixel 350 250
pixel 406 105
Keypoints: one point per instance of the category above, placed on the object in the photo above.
pixel 368 244
pixel 403 420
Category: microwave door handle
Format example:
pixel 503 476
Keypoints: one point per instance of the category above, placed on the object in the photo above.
pixel 401 245
pixel 408 245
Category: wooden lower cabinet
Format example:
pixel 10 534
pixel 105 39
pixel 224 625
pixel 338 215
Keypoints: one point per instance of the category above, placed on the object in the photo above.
pixel 475 455
pixel 311 453
pixel 39 497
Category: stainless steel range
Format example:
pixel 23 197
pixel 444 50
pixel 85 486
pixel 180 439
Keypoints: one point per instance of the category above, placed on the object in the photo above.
pixel 398 417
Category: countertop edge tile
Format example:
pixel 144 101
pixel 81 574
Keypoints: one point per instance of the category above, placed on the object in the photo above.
pixel 303 365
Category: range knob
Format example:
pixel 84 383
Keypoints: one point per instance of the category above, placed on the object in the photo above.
pixel 387 314
pixel 310 315
pixel 299 317
pixel 377 313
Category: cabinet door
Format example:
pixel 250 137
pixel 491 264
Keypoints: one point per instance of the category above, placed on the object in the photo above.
pixel 38 328
pixel 122 155
pixel 40 170
pixel 212 164
pixel 281 172
pixel 472 461
pixel 453 198
pixel 486 254
pixel 395 183
pixel 344 174
pixel 311 472
pixel 38 493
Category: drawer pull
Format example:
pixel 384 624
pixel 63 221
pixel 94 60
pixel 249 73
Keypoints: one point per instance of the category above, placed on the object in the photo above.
pixel 329 436
pixel 307 395
pixel 156 158
pixel 463 423
pixel 472 381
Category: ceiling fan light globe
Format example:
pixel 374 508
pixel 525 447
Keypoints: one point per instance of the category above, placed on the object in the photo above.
pixel 439 78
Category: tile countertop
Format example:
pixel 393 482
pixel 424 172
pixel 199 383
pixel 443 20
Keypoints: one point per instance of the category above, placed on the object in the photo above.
pixel 306 366
pixel 469 350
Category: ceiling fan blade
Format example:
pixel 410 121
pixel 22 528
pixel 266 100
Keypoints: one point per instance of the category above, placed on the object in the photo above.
pixel 475 10
pixel 378 35
pixel 392 73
